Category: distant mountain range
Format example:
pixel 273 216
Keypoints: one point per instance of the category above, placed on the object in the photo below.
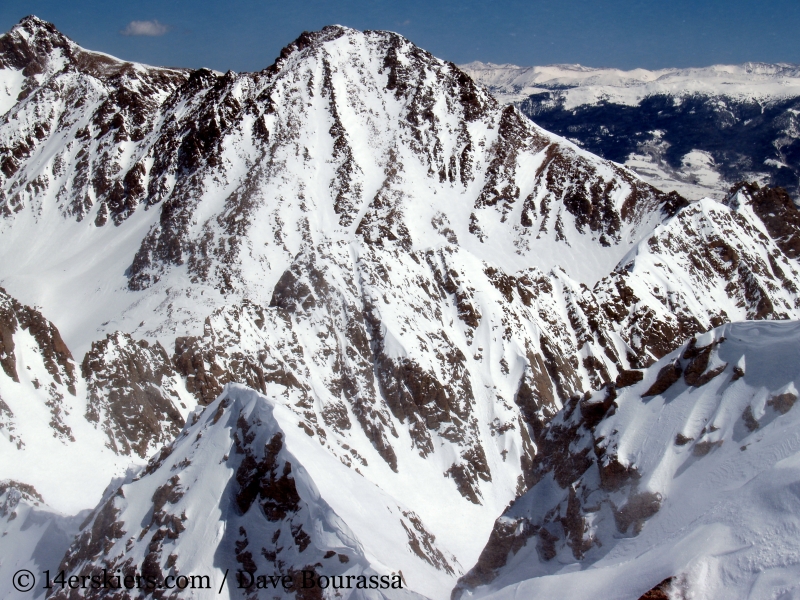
pixel 351 316
pixel 697 131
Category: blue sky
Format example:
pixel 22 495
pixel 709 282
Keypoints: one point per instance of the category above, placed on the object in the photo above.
pixel 248 34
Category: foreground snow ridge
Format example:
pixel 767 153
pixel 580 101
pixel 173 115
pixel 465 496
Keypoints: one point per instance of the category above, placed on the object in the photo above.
pixel 244 488
pixel 688 477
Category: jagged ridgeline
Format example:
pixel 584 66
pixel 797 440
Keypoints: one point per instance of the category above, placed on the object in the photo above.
pixel 333 304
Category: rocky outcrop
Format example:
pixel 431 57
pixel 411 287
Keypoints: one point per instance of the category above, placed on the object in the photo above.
pixel 133 394
pixel 117 99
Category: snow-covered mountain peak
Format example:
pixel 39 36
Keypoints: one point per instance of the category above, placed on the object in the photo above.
pixel 218 181
pixel 39 50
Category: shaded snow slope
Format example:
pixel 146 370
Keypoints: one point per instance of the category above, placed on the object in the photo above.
pixel 689 474
pixel 33 536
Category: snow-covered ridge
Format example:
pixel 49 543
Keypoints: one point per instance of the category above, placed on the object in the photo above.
pixel 586 85
pixel 681 478
pixel 244 488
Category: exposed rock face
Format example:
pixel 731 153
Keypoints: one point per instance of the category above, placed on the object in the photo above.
pixel 385 357
pixel 329 289
pixel 55 354
pixel 608 465
pixel 122 405
pixel 777 211
pixel 133 394
pixel 213 167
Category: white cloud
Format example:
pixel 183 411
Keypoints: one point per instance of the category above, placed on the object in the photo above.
pixel 151 28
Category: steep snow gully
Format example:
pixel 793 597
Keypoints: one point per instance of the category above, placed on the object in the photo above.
pixel 308 332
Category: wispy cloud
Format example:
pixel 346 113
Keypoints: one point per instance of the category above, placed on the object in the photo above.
pixel 151 28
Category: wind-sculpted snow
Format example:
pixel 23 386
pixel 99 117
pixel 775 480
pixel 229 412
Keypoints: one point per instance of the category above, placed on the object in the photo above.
pixel 687 477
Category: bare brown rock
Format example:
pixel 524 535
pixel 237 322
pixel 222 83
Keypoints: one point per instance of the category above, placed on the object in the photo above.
pixel 132 393
pixel 783 403
pixel 627 378
pixel 665 378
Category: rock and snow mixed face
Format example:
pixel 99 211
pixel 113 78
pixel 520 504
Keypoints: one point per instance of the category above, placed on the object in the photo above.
pixel 46 440
pixel 369 212
pixel 366 240
pixel 689 475
pixel 245 489
pixel 710 264
pixel 202 187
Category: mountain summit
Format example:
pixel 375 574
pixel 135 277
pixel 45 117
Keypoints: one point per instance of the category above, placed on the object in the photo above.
pixel 351 273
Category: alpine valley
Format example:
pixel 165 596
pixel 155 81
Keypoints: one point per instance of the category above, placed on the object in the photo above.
pixel 697 131
pixel 351 319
